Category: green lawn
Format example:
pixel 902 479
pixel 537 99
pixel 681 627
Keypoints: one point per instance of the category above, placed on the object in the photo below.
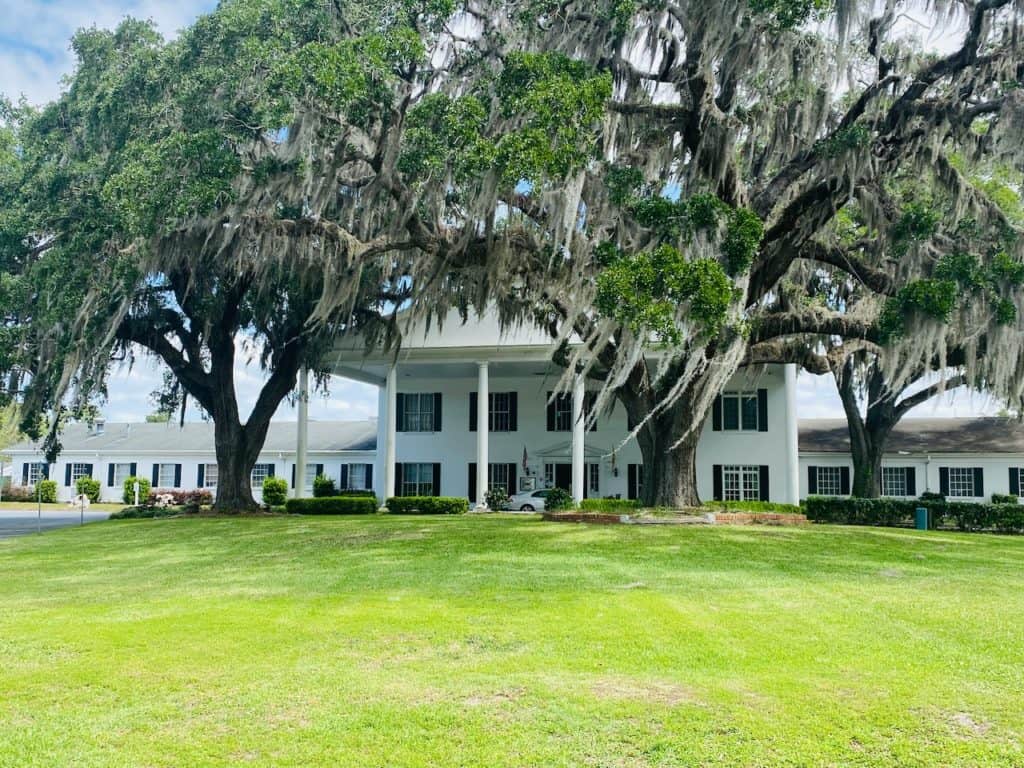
pixel 508 642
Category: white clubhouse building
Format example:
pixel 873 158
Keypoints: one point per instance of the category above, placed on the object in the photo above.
pixel 467 407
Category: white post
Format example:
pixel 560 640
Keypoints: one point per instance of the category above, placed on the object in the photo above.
pixel 303 433
pixel 578 431
pixel 792 438
pixel 391 396
pixel 483 420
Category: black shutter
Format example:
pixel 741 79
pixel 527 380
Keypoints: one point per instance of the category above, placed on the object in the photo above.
pixel 368 475
pixel 911 479
pixel 944 481
pixel 472 411
pixel 177 475
pixel 512 478
pixel 764 483
pixel 812 481
pixel 472 482
pixel 46 471
pixel 716 471
pixel 24 473
pixel 551 413
pixel 399 478
pixel 156 475
pixel 293 475
pixel 319 471
pixel 437 411
pixel 271 468
pixel 716 414
pixel 513 411
pixel 201 476
pixel 979 481
pixel 631 481
pixel 844 481
pixel 762 410
pixel 133 469
pixel 1014 481
pixel 400 412
pixel 110 475
pixel 67 475
pixel 437 479
pixel 344 477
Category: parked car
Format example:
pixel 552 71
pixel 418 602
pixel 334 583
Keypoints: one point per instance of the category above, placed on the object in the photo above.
pixel 530 501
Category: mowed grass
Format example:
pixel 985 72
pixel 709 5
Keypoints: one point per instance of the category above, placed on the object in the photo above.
pixel 506 641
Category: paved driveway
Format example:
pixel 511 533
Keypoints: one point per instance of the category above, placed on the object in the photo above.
pixel 18 522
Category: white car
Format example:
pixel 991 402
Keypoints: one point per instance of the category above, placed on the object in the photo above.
pixel 530 501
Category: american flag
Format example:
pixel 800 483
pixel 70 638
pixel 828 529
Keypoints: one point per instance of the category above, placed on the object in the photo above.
pixel 526 460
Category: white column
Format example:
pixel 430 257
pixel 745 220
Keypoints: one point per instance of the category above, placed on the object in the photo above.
pixel 792 438
pixel 579 427
pixel 303 433
pixel 391 396
pixel 483 423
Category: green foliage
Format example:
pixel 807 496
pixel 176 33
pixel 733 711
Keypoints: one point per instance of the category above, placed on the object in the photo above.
pixel 932 298
pixel 443 133
pixel 1004 498
pixel 427 505
pixel 275 491
pixel 557 500
pixel 360 492
pixel 967 516
pixel 324 486
pixel 852 137
pixel 611 506
pixel 89 487
pixel 623 182
pixel 332 505
pixel 145 513
pixel 743 234
pixel 917 223
pixel 788 14
pixel 755 506
pixel 128 490
pixel 46 491
pixel 497 499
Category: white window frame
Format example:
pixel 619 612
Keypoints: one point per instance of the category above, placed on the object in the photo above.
pixel 499 411
pixel 419 411
pixel 894 482
pixel 549 475
pixel 961 480
pixel 160 477
pixel 497 477
pixel 36 472
pixel 830 481
pixel 122 471
pixel 79 469
pixel 413 482
pixel 356 471
pixel 594 478
pixel 310 476
pixel 563 413
pixel 211 475
pixel 738 399
pixel 741 482
pixel 260 472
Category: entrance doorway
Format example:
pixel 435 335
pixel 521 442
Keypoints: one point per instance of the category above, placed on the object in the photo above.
pixel 563 477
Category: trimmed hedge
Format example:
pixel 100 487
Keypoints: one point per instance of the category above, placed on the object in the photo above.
pixel 1004 498
pixel 357 493
pixel 332 505
pixel 129 489
pixel 144 513
pixel 614 506
pixel 323 487
pixel 47 491
pixel 427 505
pixel 755 506
pixel 967 516
pixel 275 491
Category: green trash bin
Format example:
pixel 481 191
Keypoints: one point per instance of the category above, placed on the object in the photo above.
pixel 921 518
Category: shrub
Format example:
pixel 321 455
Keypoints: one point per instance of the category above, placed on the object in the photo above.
pixel 140 513
pixel 275 491
pixel 129 489
pixel 559 498
pixel 19 493
pixel 47 490
pixel 89 487
pixel 332 505
pixel 1004 498
pixel 358 492
pixel 323 486
pixel 184 498
pixel 497 499
pixel 967 516
pixel 931 496
pixel 427 505
pixel 613 506
pixel 755 506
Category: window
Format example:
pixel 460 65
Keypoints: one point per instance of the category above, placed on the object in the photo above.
pixel 894 481
pixel 739 411
pixel 417 480
pixel 165 476
pixel 830 481
pixel 36 472
pixel 311 472
pixel 741 483
pixel 594 478
pixel 549 475
pixel 121 473
pixel 357 476
pixel 418 412
pixel 261 472
pixel 563 413
pixel 500 411
pixel 210 476
pixel 80 470
pixel 961 482
pixel 497 477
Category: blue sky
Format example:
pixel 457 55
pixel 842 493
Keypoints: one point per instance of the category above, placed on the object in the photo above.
pixel 34 56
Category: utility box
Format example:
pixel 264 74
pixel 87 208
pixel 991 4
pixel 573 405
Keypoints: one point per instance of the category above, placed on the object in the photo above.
pixel 921 518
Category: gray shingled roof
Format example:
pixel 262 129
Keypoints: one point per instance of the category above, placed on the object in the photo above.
pixel 982 434
pixel 198 436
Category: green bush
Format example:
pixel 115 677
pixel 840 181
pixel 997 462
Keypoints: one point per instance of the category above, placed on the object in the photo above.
pixel 497 499
pixel 275 491
pixel 323 487
pixel 967 516
pixel 1004 498
pixel 89 487
pixel 558 499
pixel 755 506
pixel 139 513
pixel 47 491
pixel 332 505
pixel 359 493
pixel 427 505
pixel 931 496
pixel 613 506
pixel 129 489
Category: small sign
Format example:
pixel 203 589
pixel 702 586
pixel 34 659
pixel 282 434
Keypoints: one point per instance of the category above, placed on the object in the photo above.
pixel 527 483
